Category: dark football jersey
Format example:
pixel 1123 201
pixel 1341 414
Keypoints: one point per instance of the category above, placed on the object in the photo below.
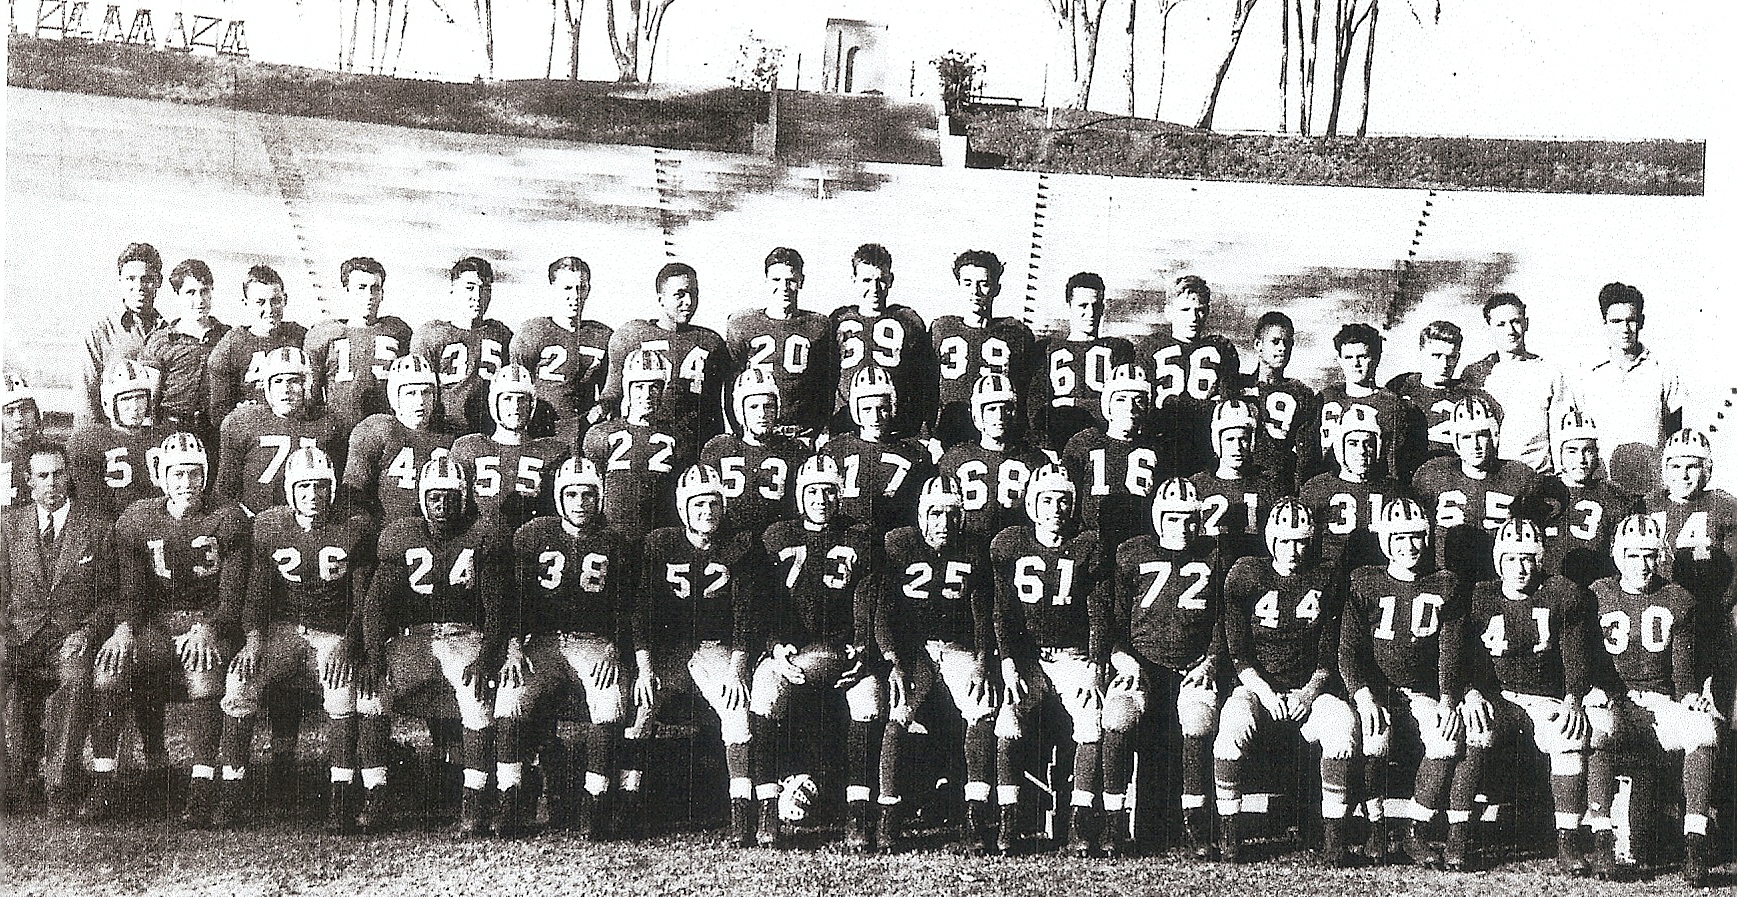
pixel 571 580
pixel 1187 378
pixel 1467 512
pixel 256 442
pixel 1234 512
pixel 1400 634
pixel 700 367
pixel 1343 512
pixel 945 594
pixel 512 483
pixel 1430 421
pixel 1168 601
pixel 1286 628
pixel 881 479
pixel 993 483
pixel 184 362
pixel 427 577
pixel 1699 536
pixel 823 584
pixel 1051 597
pixel 689 595
pixel 465 359
pixel 1319 454
pixel 109 469
pixel 197 563
pixel 759 480
pixel 962 354
pixel 1066 392
pixel 1114 479
pixel 567 366
pixel 1288 410
pixel 385 458
pixel 897 341
pixel 350 364
pixel 640 465
pixel 799 351
pixel 1648 639
pixel 234 365
pixel 1535 645
pixel 1577 536
pixel 15 470
pixel 311 577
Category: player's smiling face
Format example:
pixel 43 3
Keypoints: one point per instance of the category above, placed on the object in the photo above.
pixel 472 294
pixel 1440 360
pixel 1086 311
pixel 1516 570
pixel 513 411
pixel 1274 346
pixel 679 297
pixel 133 409
pixel 1357 362
pixel 1404 550
pixel 1233 447
pixel 819 503
pixel 414 405
pixel 1050 510
pixel 1476 449
pixel 1686 477
pixel 312 498
pixel 266 301
pixel 1579 461
pixel 287 394
pixel 1186 313
pixel 980 287
pixel 139 285
pixel 195 296
pixel 1638 567
pixel 783 287
pixel 443 505
pixel 580 504
pixel 873 284
pixel 759 413
pixel 1509 325
pixel 574 290
pixel 184 485
pixel 1622 326
pixel 643 399
pixel 705 514
pixel 364 290
pixel 21 421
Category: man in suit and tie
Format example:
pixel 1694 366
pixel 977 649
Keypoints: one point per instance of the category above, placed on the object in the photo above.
pixel 56 575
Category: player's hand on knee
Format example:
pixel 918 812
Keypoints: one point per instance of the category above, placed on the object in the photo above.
pixel 1698 702
pixel 646 686
pixel 117 652
pixel 1125 672
pixel 476 677
pixel 74 648
pixel 516 668
pixel 856 672
pixel 1575 726
pixel 1300 703
pixel 1480 717
pixel 735 694
pixel 1014 688
pixel 606 673
pixel 783 663
pixel 1371 714
pixel 897 693
pixel 1450 723
pixel 979 688
pixel 197 649
pixel 1201 675
pixel 246 662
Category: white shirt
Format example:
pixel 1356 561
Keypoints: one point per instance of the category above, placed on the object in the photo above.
pixel 1533 394
pixel 59 514
pixel 1629 398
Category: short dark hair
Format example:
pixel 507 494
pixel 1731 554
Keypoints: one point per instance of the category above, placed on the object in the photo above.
pixel 141 252
pixel 1619 293
pixel 1194 283
pixel 470 263
pixel 360 263
pixel 1360 334
pixel 193 268
pixel 1274 319
pixel 873 254
pixel 44 446
pixel 1444 331
pixel 569 263
pixel 784 255
pixel 265 274
pixel 1085 280
pixel 675 269
pixel 1500 299
pixel 979 258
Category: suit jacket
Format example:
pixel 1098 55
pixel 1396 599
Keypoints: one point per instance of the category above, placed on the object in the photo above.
pixel 76 591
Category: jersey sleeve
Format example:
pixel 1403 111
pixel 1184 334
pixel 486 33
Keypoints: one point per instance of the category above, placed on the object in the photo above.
pixel 223 377
pixel 1238 640
pixel 746 608
pixel 1099 610
pixel 256 608
pixel 363 564
pixel 235 537
pixel 621 342
pixel 232 451
pixel 1576 644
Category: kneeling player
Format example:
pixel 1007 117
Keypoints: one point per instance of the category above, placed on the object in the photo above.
pixel 1648 683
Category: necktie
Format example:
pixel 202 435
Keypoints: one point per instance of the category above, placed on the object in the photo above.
pixel 48 533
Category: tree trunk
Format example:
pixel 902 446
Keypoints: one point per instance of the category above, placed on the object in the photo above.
pixel 1368 67
pixel 1311 47
pixel 1285 66
pixel 1093 27
pixel 485 17
pixel 626 58
pixel 1133 7
pixel 1243 8
pixel 1163 52
pixel 554 25
pixel 574 23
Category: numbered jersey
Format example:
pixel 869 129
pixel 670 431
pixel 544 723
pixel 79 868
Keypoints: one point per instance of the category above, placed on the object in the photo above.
pixel 963 353
pixel 1577 535
pixel 1167 600
pixel 350 365
pixel 1284 627
pixel 1067 387
pixel 1050 597
pixel 699 365
pixel 993 482
pixel 897 341
pixel 1234 512
pixel 759 480
pixel 571 581
pixel 1114 479
pixel 197 563
pixel 512 483
pixel 234 366
pixel 1400 634
pixel 109 469
pixel 567 366
pixel 1649 639
pixel 822 588
pixel 465 359
pixel 640 464
pixel 689 595
pixel 799 351
pixel 1429 426
pixel 1467 511
pixel 1186 379
pixel 943 594
pixel 1534 645
pixel 1288 411
pixel 1698 542
pixel 255 443
pixel 315 577
pixel 881 479
pixel 385 458
pixel 429 577
pixel 15 471
pixel 1390 414
pixel 1343 512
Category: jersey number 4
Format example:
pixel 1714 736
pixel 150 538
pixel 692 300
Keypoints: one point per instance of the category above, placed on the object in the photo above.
pixel 1496 633
pixel 421 564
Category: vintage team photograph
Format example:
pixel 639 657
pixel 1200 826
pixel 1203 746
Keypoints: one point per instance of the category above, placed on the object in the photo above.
pixel 1198 447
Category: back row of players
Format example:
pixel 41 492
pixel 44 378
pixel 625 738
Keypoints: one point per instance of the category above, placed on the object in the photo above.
pixel 1116 529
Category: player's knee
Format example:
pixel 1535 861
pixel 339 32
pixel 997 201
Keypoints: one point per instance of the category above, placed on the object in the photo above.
pixel 1122 712
pixel 736 727
pixel 339 702
pixel 1567 763
pixel 1196 713
pixel 607 707
pixel 1088 727
pixel 373 706
pixel 206 685
pixel 864 702
pixel 1008 724
pixel 1339 742
pixel 476 715
pixel 1377 744
pixel 1236 729
pixel 511 703
pixel 1696 731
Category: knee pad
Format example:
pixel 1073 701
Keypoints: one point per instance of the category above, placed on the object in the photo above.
pixel 736 726
pixel 475 714
pixel 1567 763
pixel 1236 728
pixel 204 686
pixel 1602 722
pixel 1197 711
pixel 1375 745
pixel 1697 731
pixel 110 682
pixel 1088 727
pixel 1122 711
pixel 864 701
pixel 1008 725
pixel 339 702
pixel 1339 744
pixel 607 706
pixel 511 703
pixel 1482 740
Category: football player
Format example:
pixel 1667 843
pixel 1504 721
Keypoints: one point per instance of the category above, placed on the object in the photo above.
pixel 759 466
pixel 1234 496
pixel 640 452
pixel 937 629
pixel 1052 622
pixel 819 621
pixel 575 579
pixel 1281 621
pixel 1475 492
pixel 975 345
pixel 1346 503
pixel 795 346
pixel 1432 393
pixel 237 362
pixel 1287 406
pixel 466 349
pixel 883 473
pixel 436 610
pixel 258 439
pixel 1402 656
pixel 387 451
pixel 352 353
pixel 1120 463
pixel 993 469
pixel 1534 630
pixel 1648 683
pixel 303 615
pixel 182 351
pixel 1530 391
pixel 510 469
pixel 183 579
pixel 891 337
pixel 109 456
pixel 698 361
pixel 139 274
pixel 20 425
pixel 1189 369
pixel 1358 351
pixel 1168 626
pixel 1067 389
pixel 568 352
pixel 695 617
pixel 1588 506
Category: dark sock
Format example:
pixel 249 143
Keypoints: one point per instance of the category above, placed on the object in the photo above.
pixel 341 743
pixel 892 741
pixel 980 750
pixel 237 745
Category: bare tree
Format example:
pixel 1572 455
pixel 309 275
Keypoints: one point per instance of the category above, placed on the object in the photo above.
pixel 485 23
pixel 1133 12
pixel 1083 19
pixel 1349 19
pixel 1239 21
pixel 644 28
pixel 1165 8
